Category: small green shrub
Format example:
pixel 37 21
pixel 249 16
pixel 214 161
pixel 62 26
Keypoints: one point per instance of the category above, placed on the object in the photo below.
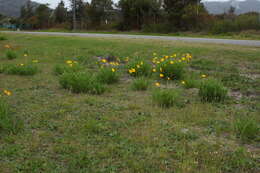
pixel 81 82
pixel 167 97
pixel 2 38
pixel 10 54
pixel 8 122
pixel 212 90
pixel 59 69
pixel 139 68
pixel 108 75
pixel 192 83
pixel 246 128
pixel 140 84
pixel 173 70
pixel 21 69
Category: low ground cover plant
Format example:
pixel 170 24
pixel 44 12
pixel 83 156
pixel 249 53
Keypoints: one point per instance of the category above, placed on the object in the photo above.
pixel 140 84
pixel 212 90
pixel 81 82
pixel 8 122
pixel 167 97
pixel 69 67
pixel 21 69
pixel 2 38
pixel 108 75
pixel 10 54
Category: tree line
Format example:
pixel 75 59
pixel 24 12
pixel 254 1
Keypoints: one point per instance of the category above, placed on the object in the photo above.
pixel 162 16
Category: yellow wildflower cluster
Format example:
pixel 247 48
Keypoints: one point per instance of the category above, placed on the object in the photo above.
pixel 71 63
pixel 136 67
pixel 7 92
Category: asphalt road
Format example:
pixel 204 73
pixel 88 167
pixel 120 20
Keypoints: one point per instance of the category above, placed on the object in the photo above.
pixel 254 43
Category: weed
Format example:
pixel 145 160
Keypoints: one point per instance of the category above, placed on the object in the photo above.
pixel 10 54
pixel 2 38
pixel 59 69
pixel 140 84
pixel 108 75
pixel 8 122
pixel 167 97
pixel 21 69
pixel 81 82
pixel 246 128
pixel 212 90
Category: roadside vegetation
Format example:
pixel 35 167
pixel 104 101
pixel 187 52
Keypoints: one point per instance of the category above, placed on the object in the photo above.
pixel 71 104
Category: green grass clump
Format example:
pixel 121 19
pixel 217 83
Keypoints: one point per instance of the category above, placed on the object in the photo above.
pixel 21 69
pixel 192 83
pixel 173 70
pixel 59 69
pixel 2 38
pixel 139 68
pixel 8 123
pixel 108 75
pixel 81 82
pixel 140 84
pixel 212 90
pixel 247 128
pixel 10 54
pixel 167 97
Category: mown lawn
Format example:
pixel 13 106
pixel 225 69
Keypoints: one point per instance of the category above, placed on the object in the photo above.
pixel 123 130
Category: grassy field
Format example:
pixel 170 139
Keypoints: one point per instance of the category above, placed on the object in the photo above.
pixel 123 130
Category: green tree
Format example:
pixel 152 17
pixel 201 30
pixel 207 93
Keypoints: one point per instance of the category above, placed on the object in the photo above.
pixel 61 13
pixel 42 14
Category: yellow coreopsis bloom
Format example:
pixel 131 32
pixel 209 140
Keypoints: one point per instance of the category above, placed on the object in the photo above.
pixel 25 55
pixel 35 61
pixel 142 63
pixel 171 62
pixel 8 93
pixel 69 62
pixel 21 64
pixel 113 70
pixel 138 66
pixel 203 76
pixel 183 82
pixel 161 69
pixel 104 60
pixel 161 75
pixel 157 84
pixel 154 54
pixel 154 70
pixel 162 59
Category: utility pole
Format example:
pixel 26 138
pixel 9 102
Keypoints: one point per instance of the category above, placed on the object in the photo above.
pixel 74 15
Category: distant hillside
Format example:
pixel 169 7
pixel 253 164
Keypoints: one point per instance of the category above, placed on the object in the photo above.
pixel 215 7
pixel 12 7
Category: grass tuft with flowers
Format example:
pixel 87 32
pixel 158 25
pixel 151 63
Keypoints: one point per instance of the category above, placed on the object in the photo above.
pixel 154 106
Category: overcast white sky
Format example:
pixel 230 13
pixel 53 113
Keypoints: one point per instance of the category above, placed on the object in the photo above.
pixel 53 3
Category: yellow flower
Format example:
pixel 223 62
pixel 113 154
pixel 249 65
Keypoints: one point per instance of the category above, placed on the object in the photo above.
pixel 25 55
pixel 183 59
pixel 21 64
pixel 157 84
pixel 138 66
pixel 113 70
pixel 133 70
pixel 203 76
pixel 161 69
pixel 69 62
pixel 154 54
pixel 70 65
pixel 8 93
pixel 127 59
pixel 35 61
pixel 104 60
pixel 166 57
pixel 162 59
pixel 142 63
pixel 158 62
pixel 179 60
pixel 161 75
pixel 154 70
pixel 117 64
pixel 171 62
pixel 168 78
pixel 183 82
